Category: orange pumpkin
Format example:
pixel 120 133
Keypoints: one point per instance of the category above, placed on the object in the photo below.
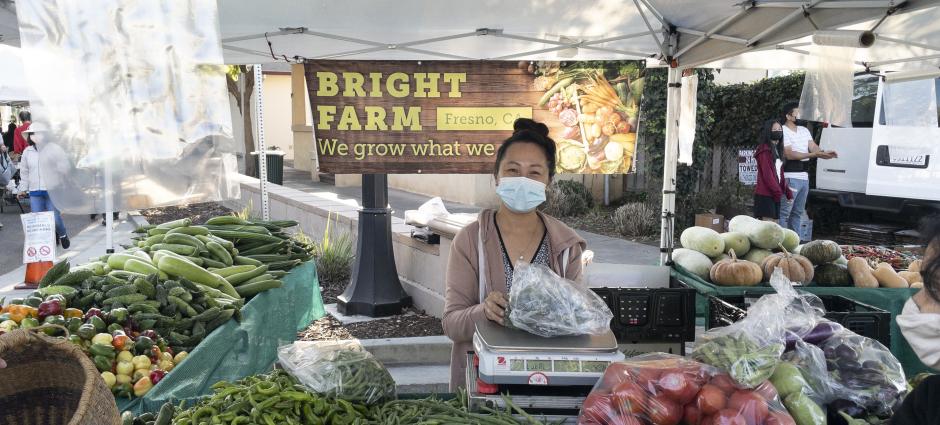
pixel 795 267
pixel 734 272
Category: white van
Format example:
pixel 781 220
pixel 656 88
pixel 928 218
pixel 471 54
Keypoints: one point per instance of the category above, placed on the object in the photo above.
pixel 891 157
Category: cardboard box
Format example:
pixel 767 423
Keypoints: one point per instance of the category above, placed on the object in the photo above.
pixel 712 221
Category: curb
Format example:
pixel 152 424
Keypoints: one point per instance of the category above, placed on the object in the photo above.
pixel 136 218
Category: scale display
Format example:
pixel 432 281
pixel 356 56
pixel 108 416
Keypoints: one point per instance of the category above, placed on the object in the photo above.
pixel 557 366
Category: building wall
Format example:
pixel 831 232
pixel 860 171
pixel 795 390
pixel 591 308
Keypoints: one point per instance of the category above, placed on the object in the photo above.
pixel 277 112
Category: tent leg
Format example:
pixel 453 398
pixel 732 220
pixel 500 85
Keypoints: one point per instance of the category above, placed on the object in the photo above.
pixel 670 159
pixel 262 149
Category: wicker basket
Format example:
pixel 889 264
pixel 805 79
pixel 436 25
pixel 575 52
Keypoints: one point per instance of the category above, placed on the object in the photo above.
pixel 51 381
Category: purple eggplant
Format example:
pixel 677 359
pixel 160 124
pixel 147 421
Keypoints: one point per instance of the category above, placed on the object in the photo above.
pixel 841 405
pixel 821 332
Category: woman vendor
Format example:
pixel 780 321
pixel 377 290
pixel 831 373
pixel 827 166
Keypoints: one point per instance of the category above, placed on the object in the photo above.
pixel 483 254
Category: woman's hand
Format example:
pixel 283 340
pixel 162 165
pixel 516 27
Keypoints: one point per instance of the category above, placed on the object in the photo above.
pixel 495 306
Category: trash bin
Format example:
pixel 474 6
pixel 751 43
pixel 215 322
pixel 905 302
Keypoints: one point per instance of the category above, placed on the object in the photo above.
pixel 275 165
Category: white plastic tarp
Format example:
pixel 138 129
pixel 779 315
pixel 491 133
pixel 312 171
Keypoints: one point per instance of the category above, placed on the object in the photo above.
pixel 827 89
pixel 13 84
pixel 134 93
pixel 688 112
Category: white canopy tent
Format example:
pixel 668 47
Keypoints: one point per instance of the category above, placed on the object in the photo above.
pixel 679 33
pixel 13 85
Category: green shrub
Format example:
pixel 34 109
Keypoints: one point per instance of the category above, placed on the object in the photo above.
pixel 637 219
pixel 566 198
pixel 334 257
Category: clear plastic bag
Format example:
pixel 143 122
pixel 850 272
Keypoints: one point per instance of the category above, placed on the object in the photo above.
pixel 665 389
pixel 340 369
pixel 545 304
pixel 864 371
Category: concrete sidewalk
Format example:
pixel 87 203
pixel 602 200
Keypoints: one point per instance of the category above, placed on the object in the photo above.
pixel 606 249
pixel 86 245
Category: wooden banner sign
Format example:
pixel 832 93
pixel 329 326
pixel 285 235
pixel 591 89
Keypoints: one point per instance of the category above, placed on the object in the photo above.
pixel 406 117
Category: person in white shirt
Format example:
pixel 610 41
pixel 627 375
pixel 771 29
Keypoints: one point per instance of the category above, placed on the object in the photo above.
pixel 799 148
pixel 36 178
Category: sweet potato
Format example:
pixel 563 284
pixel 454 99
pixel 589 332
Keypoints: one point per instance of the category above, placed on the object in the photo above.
pixel 888 278
pixel 862 274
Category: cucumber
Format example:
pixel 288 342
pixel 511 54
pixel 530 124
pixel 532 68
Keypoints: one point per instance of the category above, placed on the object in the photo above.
pixel 226 220
pixel 178 267
pixel 54 273
pixel 117 261
pixel 175 248
pixel 263 277
pixel 183 222
pixel 226 243
pixel 138 266
pixel 150 241
pixel 244 236
pixel 228 271
pixel 189 230
pixel 252 289
pixel 219 252
pixel 211 264
pixel 143 255
pixel 184 239
pixel 237 279
pixel 157 231
pixel 249 261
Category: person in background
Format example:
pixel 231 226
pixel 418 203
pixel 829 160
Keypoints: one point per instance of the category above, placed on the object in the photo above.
pixel 6 172
pixel 920 324
pixel 484 253
pixel 8 135
pixel 771 186
pixel 19 142
pixel 799 148
pixel 34 184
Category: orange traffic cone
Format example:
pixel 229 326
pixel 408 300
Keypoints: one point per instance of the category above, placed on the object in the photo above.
pixel 34 273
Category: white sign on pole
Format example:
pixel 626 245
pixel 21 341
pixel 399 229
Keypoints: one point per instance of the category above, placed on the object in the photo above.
pixel 747 167
pixel 39 229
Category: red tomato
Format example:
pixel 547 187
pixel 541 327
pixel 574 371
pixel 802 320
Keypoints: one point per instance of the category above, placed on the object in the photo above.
pixel 725 382
pixel 678 386
pixel 598 408
pixel 646 377
pixel 728 417
pixel 663 411
pixel 707 420
pixel 767 391
pixel 615 374
pixel 710 399
pixel 692 415
pixel 629 398
pixel 750 405
pixel 779 418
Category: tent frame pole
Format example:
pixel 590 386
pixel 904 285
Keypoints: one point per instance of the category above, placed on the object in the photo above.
pixel 670 163
pixel 262 149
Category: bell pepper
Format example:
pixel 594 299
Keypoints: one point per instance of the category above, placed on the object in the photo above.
pixel 29 322
pixel 50 308
pixel 32 312
pixel 53 320
pixel 75 339
pixel 179 357
pixel 103 363
pixel 140 373
pixel 102 338
pixel 115 327
pixel 72 312
pixel 105 350
pixel 92 312
pixel 33 301
pixel 166 365
pixel 98 323
pixel 121 342
pixel 73 323
pixel 141 362
pixel 118 315
pixel 125 356
pixel 87 331
pixel 8 326
pixel 109 379
pixel 142 386
pixel 149 333
pixel 143 345
pixel 123 379
pixel 157 376
pixel 166 356
pixel 4 317
pixel 125 368
pixel 124 390
pixel 58 297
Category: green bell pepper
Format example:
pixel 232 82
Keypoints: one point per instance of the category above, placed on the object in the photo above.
pixel 114 327
pixel 33 301
pixel 144 345
pixel 101 350
pixel 98 323
pixel 29 322
pixel 87 331
pixel 73 324
pixel 118 315
pixel 103 363
pixel 54 320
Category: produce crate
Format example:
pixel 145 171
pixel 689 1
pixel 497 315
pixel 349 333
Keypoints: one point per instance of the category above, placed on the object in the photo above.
pixel 857 317
pixel 651 314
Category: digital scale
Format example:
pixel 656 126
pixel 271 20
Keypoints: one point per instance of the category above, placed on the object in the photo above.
pixel 541 374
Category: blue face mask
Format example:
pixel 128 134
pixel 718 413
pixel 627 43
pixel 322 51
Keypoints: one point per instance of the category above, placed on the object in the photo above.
pixel 521 194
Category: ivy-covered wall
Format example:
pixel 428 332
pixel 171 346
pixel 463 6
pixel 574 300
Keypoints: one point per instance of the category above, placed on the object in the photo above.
pixel 729 116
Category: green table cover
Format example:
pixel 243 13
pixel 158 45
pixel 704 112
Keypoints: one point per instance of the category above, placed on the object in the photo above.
pixel 888 299
pixel 236 350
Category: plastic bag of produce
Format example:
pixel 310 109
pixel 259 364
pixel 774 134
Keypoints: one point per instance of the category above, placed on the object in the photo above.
pixel 863 371
pixel 341 369
pixel 665 389
pixel 545 304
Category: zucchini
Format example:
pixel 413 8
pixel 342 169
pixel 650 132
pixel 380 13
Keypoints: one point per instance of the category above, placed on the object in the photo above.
pixel 261 230
pixel 252 289
pixel 117 261
pixel 220 253
pixel 74 278
pixel 138 266
pixel 211 264
pixel 226 243
pixel 263 249
pixel 183 222
pixel 185 269
pixel 184 239
pixel 199 261
pixel 247 261
pixel 189 230
pixel 283 265
pixel 236 235
pixel 157 231
pixel 263 277
pixel 240 278
pixel 155 239
pixel 175 248
pixel 228 271
pixel 226 220
pixel 54 273
pixel 143 255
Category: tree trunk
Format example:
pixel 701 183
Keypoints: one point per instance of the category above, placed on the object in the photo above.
pixel 242 93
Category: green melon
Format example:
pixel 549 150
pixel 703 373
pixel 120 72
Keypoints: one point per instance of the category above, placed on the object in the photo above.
pixel 693 261
pixel 791 240
pixel 821 252
pixel 702 239
pixel 832 275
pixel 765 234
pixel 842 261
pixel 757 255
pixel 738 242
pixel 740 223
pixel 715 260
pixel 797 249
